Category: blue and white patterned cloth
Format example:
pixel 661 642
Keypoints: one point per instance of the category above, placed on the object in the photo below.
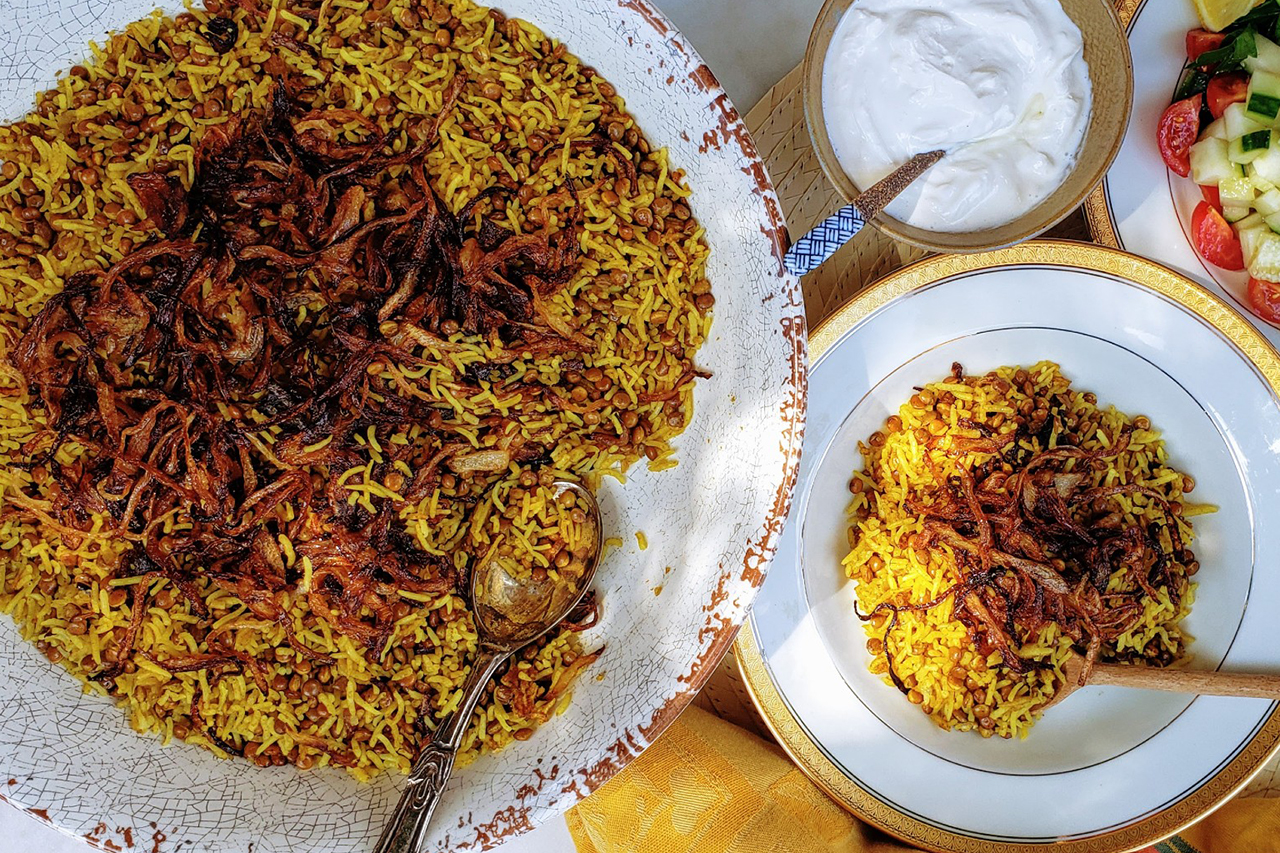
pixel 808 253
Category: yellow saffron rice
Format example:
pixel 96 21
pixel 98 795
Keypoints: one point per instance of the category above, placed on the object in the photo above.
pixel 907 466
pixel 140 103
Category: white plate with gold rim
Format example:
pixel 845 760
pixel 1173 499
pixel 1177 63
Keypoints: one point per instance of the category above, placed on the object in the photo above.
pixel 1109 769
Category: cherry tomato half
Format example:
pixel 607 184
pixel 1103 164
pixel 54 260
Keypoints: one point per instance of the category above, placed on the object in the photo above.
pixel 1212 196
pixel 1215 239
pixel 1177 132
pixel 1200 41
pixel 1225 90
pixel 1264 299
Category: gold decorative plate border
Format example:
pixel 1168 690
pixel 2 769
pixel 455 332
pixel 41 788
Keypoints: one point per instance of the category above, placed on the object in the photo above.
pixel 1101 225
pixel 784 725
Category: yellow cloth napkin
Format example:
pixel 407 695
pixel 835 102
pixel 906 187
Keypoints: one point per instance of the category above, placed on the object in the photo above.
pixel 707 786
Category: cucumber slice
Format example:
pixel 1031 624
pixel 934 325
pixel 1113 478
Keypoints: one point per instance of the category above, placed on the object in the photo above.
pixel 1256 140
pixel 1249 147
pixel 1263 100
pixel 1263 107
pixel 1267 167
pixel 1253 221
pixel 1268 58
pixel 1268 203
pixel 1239 122
pixel 1216 129
pixel 1260 183
pixel 1234 213
pixel 1265 263
pixel 1210 163
pixel 1237 191
pixel 1273 222
pixel 1251 236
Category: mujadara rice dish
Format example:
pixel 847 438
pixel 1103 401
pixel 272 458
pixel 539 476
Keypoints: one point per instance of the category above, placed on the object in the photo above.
pixel 1003 522
pixel 303 308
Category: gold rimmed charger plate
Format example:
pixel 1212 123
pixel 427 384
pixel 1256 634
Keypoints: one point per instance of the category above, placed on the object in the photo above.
pixel 790 731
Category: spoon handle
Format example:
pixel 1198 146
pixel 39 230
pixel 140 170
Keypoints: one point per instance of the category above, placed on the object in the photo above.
pixel 434 765
pixel 1209 683
pixel 810 251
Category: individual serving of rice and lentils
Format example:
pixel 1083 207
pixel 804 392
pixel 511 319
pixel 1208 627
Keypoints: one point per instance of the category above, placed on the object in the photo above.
pixel 1003 522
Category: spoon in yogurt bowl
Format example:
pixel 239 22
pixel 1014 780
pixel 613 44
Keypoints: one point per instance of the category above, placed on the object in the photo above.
pixel 810 251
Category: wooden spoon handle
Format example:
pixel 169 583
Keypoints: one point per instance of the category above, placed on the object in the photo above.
pixel 1189 681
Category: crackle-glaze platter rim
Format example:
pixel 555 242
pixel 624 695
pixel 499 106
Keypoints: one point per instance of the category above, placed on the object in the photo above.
pixel 736 584
pixel 790 732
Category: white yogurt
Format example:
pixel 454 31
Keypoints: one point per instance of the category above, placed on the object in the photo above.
pixel 1001 85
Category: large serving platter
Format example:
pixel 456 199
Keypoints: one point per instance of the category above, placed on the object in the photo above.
pixel 1108 769
pixel 669 612
pixel 1141 206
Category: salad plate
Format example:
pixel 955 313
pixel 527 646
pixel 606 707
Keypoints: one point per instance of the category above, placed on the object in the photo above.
pixel 1142 206
pixel 1108 769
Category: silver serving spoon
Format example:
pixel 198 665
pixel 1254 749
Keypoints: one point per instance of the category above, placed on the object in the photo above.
pixel 810 251
pixel 509 614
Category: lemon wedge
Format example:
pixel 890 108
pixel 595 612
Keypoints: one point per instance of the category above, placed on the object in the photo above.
pixel 1217 14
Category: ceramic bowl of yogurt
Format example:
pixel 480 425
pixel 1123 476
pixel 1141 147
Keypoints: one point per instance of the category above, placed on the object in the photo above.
pixel 1029 98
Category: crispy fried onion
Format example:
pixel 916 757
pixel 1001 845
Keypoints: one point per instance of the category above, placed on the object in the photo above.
pixel 1036 546
pixel 216 376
